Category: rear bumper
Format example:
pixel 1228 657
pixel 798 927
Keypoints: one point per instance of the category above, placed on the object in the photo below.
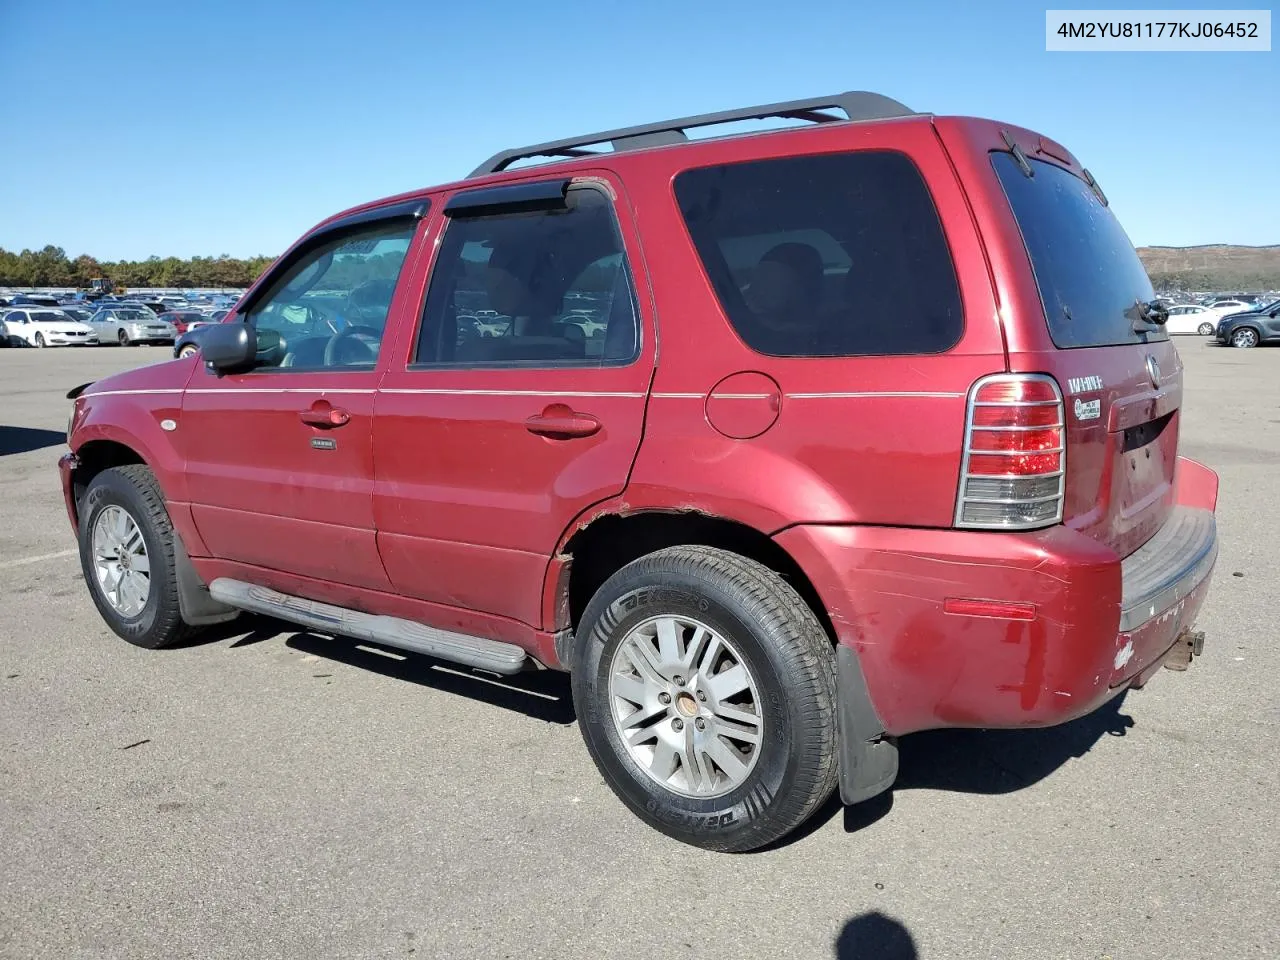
pixel 1100 624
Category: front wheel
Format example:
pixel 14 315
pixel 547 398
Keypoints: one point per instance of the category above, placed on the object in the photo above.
pixel 188 350
pixel 127 556
pixel 123 338
pixel 40 340
pixel 1205 330
pixel 1245 338
pixel 705 691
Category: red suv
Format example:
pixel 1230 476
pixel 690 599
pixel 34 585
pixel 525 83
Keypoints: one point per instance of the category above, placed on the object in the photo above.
pixel 782 444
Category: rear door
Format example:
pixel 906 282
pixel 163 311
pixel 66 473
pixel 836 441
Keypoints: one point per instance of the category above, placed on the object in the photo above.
pixel 521 399
pixel 279 458
pixel 1078 314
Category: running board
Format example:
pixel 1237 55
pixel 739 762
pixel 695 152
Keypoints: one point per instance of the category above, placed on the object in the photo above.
pixel 493 655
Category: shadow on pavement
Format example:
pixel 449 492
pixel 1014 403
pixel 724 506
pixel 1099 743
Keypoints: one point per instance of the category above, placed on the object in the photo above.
pixel 1002 761
pixel 974 761
pixel 875 936
pixel 543 694
pixel 26 439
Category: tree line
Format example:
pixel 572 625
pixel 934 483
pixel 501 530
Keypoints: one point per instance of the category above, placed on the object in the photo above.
pixel 51 267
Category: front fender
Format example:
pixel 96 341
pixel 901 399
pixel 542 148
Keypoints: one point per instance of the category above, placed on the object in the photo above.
pixel 133 420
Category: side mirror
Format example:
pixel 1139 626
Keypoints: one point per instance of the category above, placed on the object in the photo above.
pixel 228 346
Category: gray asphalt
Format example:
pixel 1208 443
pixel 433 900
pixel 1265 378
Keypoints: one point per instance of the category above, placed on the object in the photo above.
pixel 268 793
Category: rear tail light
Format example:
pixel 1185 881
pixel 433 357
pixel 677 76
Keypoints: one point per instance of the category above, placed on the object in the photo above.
pixel 1013 474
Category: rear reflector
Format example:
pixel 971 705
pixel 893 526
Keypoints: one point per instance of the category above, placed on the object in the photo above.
pixel 996 609
pixel 1013 472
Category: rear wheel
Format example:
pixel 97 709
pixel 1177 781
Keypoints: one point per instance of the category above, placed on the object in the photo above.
pixel 123 338
pixel 127 556
pixel 1245 338
pixel 705 691
pixel 39 340
pixel 1206 330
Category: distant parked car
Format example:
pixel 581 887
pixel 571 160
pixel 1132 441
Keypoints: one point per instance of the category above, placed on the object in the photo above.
pixel 184 320
pixel 45 328
pixel 1224 307
pixel 1191 318
pixel 128 325
pixel 1250 328
pixel 218 316
pixel 33 300
pixel 76 312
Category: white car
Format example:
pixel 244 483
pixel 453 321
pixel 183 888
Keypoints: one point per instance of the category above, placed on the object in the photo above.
pixel 1223 307
pixel 43 327
pixel 128 325
pixel 1191 318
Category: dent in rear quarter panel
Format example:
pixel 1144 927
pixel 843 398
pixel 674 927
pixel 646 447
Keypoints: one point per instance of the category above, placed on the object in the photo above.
pixel 865 439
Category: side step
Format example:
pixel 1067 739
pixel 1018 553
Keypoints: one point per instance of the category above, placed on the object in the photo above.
pixel 491 655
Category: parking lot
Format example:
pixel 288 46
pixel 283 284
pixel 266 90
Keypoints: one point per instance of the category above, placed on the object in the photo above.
pixel 268 792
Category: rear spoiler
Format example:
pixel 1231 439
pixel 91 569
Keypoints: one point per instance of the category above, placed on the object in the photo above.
pixel 76 391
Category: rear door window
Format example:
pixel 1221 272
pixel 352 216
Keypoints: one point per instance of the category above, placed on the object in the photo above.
pixel 1089 275
pixel 825 256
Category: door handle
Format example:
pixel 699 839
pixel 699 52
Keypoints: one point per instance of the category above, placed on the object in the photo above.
pixel 561 422
pixel 323 414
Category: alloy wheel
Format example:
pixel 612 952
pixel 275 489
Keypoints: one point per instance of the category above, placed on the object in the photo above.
pixel 686 706
pixel 120 561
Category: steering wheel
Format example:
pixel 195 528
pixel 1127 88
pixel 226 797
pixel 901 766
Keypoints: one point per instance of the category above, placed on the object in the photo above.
pixel 367 337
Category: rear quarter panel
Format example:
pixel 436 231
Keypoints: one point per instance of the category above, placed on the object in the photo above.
pixel 857 439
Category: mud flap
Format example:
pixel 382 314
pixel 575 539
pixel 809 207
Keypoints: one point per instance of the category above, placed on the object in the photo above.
pixel 194 603
pixel 868 756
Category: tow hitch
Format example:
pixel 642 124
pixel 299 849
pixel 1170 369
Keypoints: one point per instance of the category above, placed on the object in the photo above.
pixel 1189 646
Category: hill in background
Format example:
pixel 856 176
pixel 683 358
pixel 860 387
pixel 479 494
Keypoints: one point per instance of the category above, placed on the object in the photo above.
pixel 1216 266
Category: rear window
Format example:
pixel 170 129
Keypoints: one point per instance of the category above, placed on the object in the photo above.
pixel 833 255
pixel 1089 275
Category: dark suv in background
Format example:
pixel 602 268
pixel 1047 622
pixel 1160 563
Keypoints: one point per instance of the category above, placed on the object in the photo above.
pixel 1250 328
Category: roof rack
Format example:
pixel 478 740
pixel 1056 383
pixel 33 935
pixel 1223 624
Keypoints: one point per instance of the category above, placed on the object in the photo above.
pixel 857 105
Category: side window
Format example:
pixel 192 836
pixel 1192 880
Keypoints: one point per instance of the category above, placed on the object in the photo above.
pixel 17 317
pixel 547 288
pixel 330 308
pixel 825 256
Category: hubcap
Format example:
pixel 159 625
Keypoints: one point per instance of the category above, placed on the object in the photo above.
pixel 1244 338
pixel 120 561
pixel 670 670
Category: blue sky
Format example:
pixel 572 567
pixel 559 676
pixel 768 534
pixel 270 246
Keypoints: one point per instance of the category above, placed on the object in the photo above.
pixel 231 127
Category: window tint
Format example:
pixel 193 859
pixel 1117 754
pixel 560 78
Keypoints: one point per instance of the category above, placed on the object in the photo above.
pixel 1089 275
pixel 16 317
pixel 547 288
pixel 48 316
pixel 833 255
pixel 330 308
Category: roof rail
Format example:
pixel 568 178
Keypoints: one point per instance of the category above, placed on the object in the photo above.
pixel 857 105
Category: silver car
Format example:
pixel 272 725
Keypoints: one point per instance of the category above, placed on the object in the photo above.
pixel 131 325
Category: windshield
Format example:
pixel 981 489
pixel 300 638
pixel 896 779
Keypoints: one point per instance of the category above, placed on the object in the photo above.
pixel 48 316
pixel 142 315
pixel 1089 275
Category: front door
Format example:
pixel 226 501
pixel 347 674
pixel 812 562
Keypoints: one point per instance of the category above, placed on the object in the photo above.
pixel 519 403
pixel 279 457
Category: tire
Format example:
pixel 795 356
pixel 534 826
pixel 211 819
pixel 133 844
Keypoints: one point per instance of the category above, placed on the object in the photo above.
pixel 123 338
pixel 1245 338
pixel 133 491
pixel 1205 330
pixel 39 341
pixel 768 631
pixel 188 350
